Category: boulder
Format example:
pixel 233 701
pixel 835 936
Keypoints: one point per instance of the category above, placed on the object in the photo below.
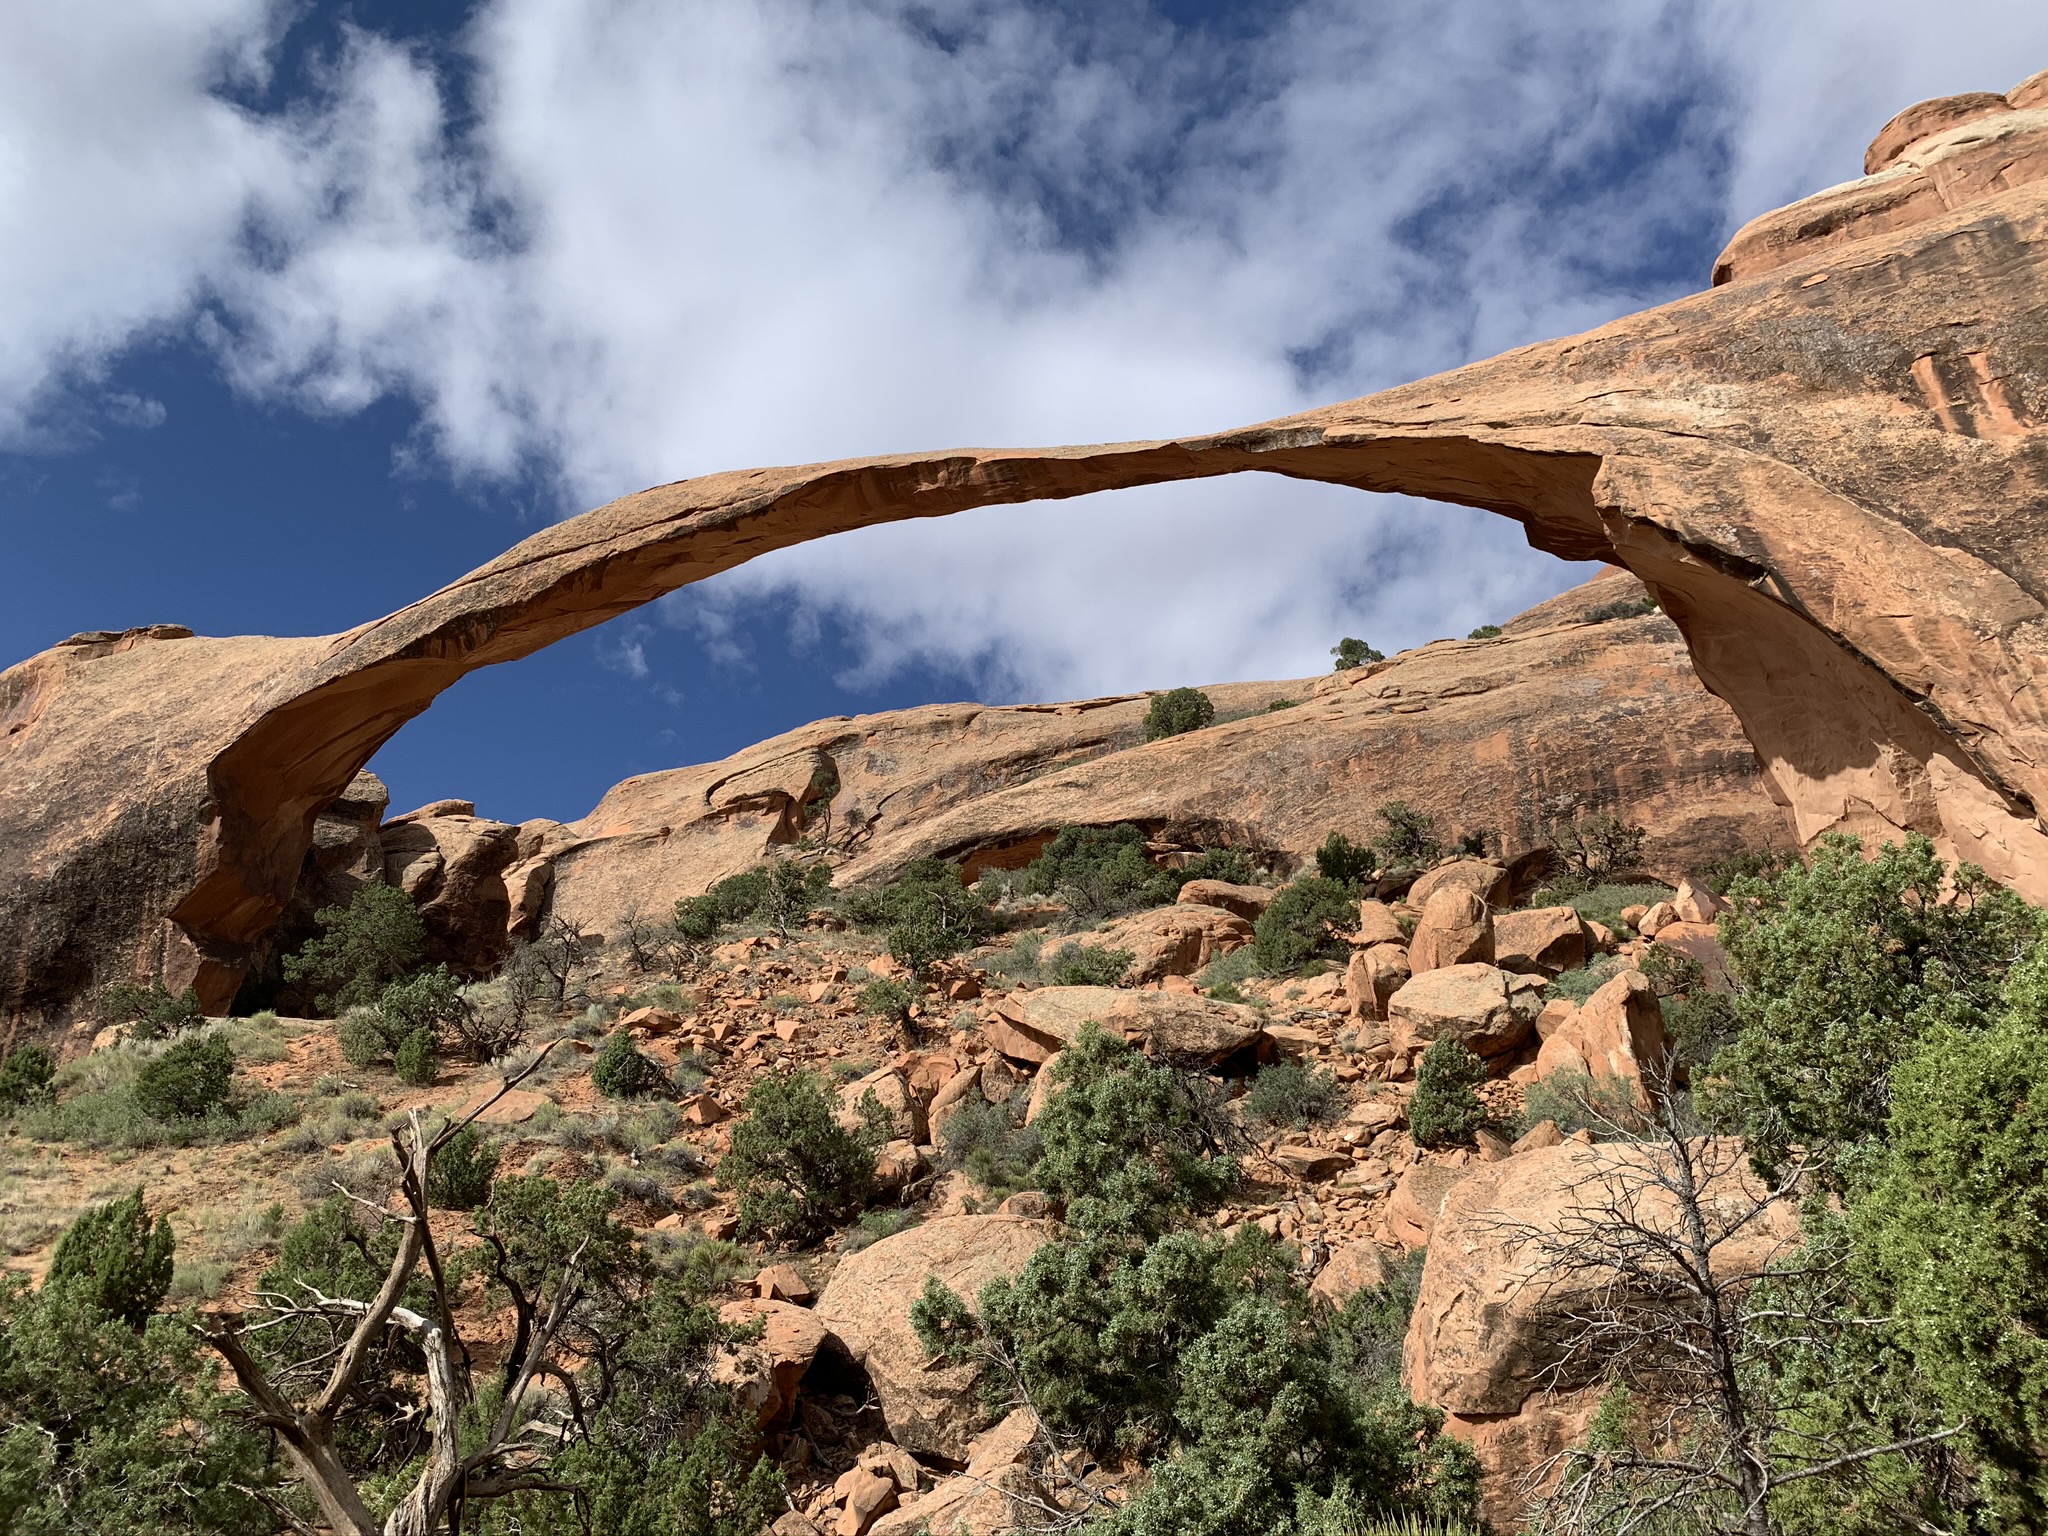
pixel 1701 942
pixel 1372 977
pixel 1694 903
pixel 764 1375
pixel 1378 925
pixel 781 1282
pixel 1657 915
pixel 1246 901
pixel 1546 941
pixel 1487 881
pixel 1311 1164
pixel 864 1496
pixel 1455 929
pixel 991 1503
pixel 866 1305
pixel 1617 1035
pixel 1492 1011
pixel 1353 1267
pixel 1420 1194
pixel 1495 1312
pixel 1191 1030
pixel 1174 941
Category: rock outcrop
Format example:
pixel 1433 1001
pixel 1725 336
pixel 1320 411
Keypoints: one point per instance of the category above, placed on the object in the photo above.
pixel 1829 469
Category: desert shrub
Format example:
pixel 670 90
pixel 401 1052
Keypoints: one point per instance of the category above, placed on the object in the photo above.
pixel 1407 836
pixel 364 1036
pixel 1100 872
pixel 1369 1332
pixel 119 1259
pixel 886 999
pixel 1302 923
pixel 1485 632
pixel 873 1226
pixel 1351 653
pixel 1842 964
pixel 1277 705
pixel 1344 861
pixel 1445 1109
pixel 1178 711
pixel 25 1075
pixel 620 1071
pixel 926 915
pixel 1624 608
pixel 188 1082
pixel 361 948
pixel 431 1000
pixel 796 1170
pixel 150 1011
pixel 1606 1106
pixel 1228 970
pixel 1021 961
pixel 1233 866
pixel 1750 864
pixel 1700 1025
pixel 1292 1093
pixel 1083 965
pixel 791 891
pixel 413 1061
pixel 1591 846
pixel 992 1144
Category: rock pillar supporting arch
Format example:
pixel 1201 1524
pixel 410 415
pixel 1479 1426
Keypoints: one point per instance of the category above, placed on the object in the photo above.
pixel 1833 475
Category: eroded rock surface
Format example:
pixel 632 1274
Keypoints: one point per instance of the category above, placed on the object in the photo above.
pixel 1829 470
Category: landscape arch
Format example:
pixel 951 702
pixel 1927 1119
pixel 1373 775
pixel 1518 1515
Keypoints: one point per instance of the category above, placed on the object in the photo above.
pixel 1829 471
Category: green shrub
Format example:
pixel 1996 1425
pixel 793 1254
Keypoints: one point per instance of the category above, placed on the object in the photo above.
pixel 1178 711
pixel 886 999
pixel 1842 965
pixel 364 1036
pixel 1485 632
pixel 926 915
pixel 1750 864
pixel 1081 965
pixel 1100 872
pixel 460 1178
pixel 1606 1106
pixel 431 1000
pixel 1291 1093
pixel 1302 923
pixel 873 1226
pixel 791 891
pixel 1445 1109
pixel 150 1011
pixel 1228 970
pixel 1578 985
pixel 991 1142
pixel 1344 861
pixel 1277 705
pixel 119 1258
pixel 1700 1025
pixel 1352 653
pixel 1233 866
pixel 25 1075
pixel 796 1170
pixel 1407 837
pixel 619 1071
pixel 188 1082
pixel 413 1061
pixel 361 949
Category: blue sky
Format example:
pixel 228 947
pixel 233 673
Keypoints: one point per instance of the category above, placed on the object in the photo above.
pixel 311 308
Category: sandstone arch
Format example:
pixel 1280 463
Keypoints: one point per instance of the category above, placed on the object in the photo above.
pixel 1830 468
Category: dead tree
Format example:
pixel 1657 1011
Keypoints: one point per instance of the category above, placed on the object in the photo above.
pixel 1680 1277
pixel 513 1452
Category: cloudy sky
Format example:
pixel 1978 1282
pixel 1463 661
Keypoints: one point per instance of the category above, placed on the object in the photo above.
pixel 310 307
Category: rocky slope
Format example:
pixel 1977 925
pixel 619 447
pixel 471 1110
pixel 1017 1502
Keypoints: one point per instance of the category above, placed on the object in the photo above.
pixel 1829 469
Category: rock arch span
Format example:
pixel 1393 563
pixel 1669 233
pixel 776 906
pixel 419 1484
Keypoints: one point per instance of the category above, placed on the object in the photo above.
pixel 1830 468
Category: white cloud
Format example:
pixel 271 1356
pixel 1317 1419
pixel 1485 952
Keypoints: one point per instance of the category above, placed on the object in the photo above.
pixel 675 238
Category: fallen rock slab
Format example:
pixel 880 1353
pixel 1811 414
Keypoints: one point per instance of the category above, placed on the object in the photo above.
pixel 1174 941
pixel 1493 1012
pixel 1544 941
pixel 1246 901
pixel 866 1305
pixel 1193 1030
pixel 1456 928
pixel 764 1376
